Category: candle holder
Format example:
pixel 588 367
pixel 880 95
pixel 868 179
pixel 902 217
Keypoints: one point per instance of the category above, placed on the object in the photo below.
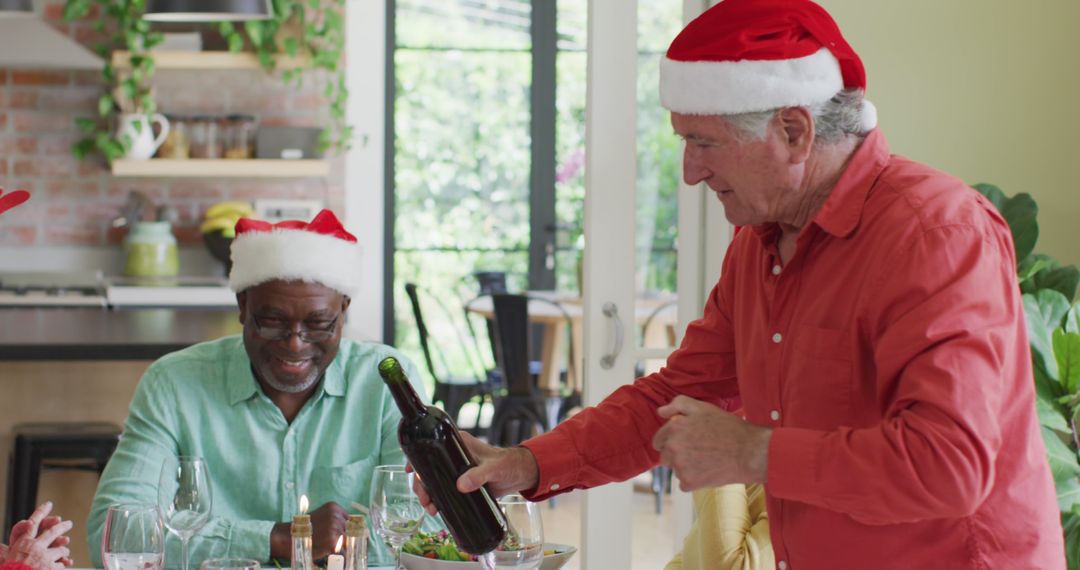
pixel 301 543
pixel 356 538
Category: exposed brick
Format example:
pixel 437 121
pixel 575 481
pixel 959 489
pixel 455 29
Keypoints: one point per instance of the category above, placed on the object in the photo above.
pixel 73 235
pixel 64 190
pixel 101 213
pixel 74 98
pixel 35 122
pixel 3 121
pixel 187 234
pixel 120 189
pixel 251 191
pixel 94 166
pixel 309 102
pixel 3 77
pixel 18 235
pixel 3 167
pixel 56 12
pixel 57 212
pixel 46 166
pixel 28 77
pixel 22 99
pixel 56 144
pixel 87 78
pixel 196 190
pixel 86 35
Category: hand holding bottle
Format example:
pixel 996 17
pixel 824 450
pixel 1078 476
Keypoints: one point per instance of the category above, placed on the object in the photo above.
pixel 503 470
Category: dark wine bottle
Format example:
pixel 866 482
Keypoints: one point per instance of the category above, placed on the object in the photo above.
pixel 433 445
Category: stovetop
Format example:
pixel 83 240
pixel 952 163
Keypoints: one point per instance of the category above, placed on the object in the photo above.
pixel 52 289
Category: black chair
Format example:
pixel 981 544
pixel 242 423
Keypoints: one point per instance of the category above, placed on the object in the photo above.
pixel 488 282
pixel 452 391
pixel 65 445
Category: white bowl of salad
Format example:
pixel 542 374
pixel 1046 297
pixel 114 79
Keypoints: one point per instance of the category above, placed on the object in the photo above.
pixel 437 551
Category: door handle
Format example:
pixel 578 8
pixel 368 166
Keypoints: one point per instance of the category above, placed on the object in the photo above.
pixel 611 311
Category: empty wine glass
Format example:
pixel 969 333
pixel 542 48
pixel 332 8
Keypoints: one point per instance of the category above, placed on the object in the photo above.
pixel 185 498
pixel 395 511
pixel 523 547
pixel 133 538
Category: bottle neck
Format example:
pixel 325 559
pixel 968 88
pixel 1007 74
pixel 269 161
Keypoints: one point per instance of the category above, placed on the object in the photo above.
pixel 408 401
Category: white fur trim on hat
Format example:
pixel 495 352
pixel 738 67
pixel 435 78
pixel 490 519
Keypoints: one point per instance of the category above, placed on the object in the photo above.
pixel 867 116
pixel 294 255
pixel 730 87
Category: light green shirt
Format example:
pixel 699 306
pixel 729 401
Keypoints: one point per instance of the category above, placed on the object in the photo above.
pixel 204 401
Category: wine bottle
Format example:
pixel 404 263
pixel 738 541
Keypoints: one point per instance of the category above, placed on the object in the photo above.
pixel 433 445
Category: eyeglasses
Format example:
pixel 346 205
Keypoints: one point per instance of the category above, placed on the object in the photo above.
pixel 306 335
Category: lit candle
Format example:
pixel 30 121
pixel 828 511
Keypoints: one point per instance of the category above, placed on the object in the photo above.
pixel 301 538
pixel 336 561
pixel 303 504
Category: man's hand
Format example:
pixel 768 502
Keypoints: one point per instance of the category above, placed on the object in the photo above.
pixel 708 447
pixel 327 525
pixel 503 470
pixel 39 541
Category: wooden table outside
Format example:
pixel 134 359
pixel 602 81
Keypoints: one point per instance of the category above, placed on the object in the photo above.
pixel 554 347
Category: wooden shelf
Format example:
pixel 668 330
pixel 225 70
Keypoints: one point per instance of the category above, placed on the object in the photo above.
pixel 207 60
pixel 221 168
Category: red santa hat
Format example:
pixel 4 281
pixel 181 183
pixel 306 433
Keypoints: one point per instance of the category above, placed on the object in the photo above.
pixel 320 251
pixel 742 56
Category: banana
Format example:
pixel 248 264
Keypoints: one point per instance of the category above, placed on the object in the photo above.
pixel 226 224
pixel 240 209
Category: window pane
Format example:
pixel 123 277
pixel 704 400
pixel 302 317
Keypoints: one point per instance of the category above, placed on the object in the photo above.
pixel 572 24
pixel 570 165
pixel 498 24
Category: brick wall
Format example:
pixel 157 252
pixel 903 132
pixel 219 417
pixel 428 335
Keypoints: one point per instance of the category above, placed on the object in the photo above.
pixel 74 201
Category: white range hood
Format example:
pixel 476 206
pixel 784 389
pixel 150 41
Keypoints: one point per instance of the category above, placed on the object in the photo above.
pixel 27 42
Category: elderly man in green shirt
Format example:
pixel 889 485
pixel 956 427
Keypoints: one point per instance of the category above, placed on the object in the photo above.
pixel 288 409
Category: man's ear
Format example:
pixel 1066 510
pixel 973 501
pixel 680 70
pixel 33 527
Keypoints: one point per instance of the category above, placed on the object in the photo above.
pixel 241 302
pixel 345 302
pixel 797 129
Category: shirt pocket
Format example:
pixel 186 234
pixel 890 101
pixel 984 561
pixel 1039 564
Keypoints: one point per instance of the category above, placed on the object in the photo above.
pixel 343 484
pixel 818 384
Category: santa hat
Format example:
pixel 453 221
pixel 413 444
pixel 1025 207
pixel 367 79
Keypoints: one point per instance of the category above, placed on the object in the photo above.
pixel 742 56
pixel 320 251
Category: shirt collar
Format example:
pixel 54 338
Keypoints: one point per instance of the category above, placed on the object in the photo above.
pixel 843 208
pixel 242 385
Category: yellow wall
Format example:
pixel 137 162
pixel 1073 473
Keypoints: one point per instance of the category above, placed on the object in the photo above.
pixel 987 90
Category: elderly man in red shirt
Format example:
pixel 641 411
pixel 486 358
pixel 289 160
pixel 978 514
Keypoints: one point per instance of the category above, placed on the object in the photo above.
pixel 869 322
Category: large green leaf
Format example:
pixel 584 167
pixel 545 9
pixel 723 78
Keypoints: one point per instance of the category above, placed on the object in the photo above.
pixel 1029 266
pixel 1052 416
pixel 1072 320
pixel 1063 279
pixel 1044 311
pixel 1065 469
pixel 1020 212
pixel 1067 354
pixel 1070 522
pixel 992 193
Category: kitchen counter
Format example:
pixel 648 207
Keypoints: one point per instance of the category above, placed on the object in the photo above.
pixel 97 334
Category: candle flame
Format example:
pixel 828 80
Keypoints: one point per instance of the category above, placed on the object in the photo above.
pixel 303 504
pixel 337 547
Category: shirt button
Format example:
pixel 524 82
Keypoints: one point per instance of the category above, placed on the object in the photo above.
pixel 782 565
pixel 775 415
pixel 554 487
pixel 776 270
pixel 776 337
pixel 289 485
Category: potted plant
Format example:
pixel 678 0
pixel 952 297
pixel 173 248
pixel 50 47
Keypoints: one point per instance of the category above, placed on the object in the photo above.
pixel 1053 323
pixel 312 30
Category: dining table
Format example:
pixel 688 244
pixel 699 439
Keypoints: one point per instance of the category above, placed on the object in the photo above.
pixel 657 310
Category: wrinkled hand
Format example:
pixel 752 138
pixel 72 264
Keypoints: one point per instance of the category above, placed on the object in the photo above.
pixel 503 470
pixel 40 541
pixel 708 447
pixel 327 525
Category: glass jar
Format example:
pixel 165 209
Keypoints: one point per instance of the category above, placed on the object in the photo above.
pixel 240 136
pixel 150 250
pixel 205 137
pixel 177 144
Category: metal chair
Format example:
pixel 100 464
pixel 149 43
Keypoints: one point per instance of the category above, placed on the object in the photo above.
pixel 453 391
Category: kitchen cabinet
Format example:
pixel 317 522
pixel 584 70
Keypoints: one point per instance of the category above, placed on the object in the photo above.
pixel 207 60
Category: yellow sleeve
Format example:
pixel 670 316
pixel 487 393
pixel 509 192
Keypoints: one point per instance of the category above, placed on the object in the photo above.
pixel 731 531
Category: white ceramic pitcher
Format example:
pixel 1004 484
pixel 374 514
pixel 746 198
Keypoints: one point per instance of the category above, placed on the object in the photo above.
pixel 143 142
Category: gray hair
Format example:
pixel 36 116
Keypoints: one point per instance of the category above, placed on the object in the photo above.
pixel 834 119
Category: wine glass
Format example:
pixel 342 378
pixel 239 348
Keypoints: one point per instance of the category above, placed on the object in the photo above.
pixel 133 538
pixel 184 497
pixel 395 511
pixel 230 564
pixel 523 547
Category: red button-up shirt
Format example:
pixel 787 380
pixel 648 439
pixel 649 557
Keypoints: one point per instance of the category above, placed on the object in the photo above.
pixel 891 358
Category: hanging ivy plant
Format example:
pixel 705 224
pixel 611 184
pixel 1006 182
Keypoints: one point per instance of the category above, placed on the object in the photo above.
pixel 313 30
pixel 310 29
pixel 130 88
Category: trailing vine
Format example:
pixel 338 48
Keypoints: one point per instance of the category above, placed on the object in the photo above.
pixel 319 43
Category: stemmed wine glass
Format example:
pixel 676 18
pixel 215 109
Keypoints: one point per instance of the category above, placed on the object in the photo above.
pixel 395 511
pixel 523 547
pixel 133 538
pixel 184 498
